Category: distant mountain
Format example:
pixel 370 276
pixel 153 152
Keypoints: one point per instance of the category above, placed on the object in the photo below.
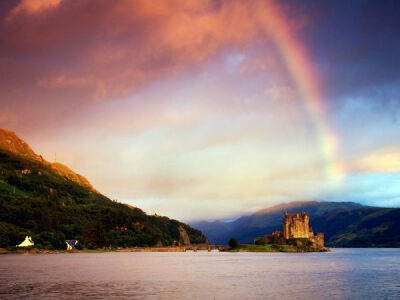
pixel 51 203
pixel 217 231
pixel 345 224
pixel 363 227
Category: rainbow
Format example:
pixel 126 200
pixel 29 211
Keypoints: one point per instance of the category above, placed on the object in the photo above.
pixel 303 74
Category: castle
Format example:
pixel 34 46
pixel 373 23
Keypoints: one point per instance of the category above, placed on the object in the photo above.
pixel 296 226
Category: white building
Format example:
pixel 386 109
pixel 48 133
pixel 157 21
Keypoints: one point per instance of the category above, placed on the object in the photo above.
pixel 71 244
pixel 27 242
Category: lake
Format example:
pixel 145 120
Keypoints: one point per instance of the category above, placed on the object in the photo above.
pixel 340 274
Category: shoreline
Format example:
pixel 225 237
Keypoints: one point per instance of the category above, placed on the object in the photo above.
pixel 193 248
pixel 242 248
pixel 271 248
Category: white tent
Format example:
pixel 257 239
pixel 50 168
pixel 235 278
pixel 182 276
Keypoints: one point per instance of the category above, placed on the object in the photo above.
pixel 27 242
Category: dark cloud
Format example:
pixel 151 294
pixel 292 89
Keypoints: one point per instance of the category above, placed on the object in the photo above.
pixel 355 44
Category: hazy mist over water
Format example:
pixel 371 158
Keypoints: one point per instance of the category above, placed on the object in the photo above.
pixel 340 274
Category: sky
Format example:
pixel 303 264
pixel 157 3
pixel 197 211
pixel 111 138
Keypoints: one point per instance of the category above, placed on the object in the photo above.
pixel 209 109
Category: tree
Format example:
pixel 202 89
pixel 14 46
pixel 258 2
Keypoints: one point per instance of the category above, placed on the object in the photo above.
pixel 233 243
pixel 50 207
pixel 93 234
pixel 259 241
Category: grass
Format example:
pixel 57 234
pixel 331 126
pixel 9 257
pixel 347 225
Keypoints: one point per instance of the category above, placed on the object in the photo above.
pixel 253 248
pixel 267 248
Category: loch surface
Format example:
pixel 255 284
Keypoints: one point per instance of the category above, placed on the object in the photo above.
pixel 340 274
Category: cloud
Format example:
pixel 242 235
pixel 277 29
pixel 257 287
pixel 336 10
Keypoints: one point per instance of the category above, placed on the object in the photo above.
pixel 385 160
pixel 205 140
pixel 33 7
pixel 58 55
pixel 357 51
pixel 116 46
pixel 81 52
pixel 189 102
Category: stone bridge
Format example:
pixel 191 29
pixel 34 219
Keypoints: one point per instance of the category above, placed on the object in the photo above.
pixel 208 247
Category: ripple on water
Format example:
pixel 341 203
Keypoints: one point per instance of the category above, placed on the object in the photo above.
pixel 341 274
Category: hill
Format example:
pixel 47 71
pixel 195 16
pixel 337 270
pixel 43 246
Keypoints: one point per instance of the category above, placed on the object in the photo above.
pixel 52 203
pixel 345 224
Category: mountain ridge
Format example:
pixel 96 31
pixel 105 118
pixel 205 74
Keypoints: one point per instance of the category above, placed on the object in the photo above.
pixel 345 224
pixel 9 141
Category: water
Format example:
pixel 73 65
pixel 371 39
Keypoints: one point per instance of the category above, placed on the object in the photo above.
pixel 341 274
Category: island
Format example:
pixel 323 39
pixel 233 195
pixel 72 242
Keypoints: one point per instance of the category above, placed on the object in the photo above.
pixel 295 236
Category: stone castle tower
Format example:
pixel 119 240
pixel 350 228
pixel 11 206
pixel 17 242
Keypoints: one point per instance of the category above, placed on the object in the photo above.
pixel 297 226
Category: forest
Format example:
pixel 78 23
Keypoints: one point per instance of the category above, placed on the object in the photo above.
pixel 36 201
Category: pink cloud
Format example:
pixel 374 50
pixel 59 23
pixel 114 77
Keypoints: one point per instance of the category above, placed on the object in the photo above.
pixel 33 7
pixel 107 49
pixel 116 46
pixel 58 57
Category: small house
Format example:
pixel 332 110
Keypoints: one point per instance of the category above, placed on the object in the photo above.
pixel 28 242
pixel 71 244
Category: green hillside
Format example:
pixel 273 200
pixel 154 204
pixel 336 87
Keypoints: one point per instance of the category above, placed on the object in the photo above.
pixel 36 200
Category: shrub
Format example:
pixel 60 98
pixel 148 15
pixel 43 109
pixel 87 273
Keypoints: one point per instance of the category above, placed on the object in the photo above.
pixel 233 243
pixel 79 246
pixel 9 235
pixel 259 241
pixel 11 248
pixel 39 246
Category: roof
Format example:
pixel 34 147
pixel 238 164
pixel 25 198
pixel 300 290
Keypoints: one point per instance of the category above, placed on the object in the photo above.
pixel 27 242
pixel 72 243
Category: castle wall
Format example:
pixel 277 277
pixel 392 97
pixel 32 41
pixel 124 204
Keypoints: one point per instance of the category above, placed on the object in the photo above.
pixel 318 240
